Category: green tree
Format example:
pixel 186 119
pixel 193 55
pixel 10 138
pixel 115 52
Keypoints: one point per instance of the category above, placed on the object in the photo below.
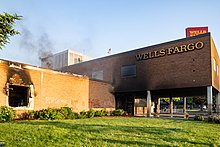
pixel 200 100
pixel 7 23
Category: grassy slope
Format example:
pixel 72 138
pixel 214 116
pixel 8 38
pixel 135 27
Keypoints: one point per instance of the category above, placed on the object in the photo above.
pixel 110 131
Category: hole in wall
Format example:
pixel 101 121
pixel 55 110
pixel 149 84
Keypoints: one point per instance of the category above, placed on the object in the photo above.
pixel 18 96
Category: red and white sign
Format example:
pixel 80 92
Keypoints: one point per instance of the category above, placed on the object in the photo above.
pixel 193 31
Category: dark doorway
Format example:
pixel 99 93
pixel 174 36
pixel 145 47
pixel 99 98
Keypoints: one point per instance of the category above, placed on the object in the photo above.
pixel 125 103
pixel 18 96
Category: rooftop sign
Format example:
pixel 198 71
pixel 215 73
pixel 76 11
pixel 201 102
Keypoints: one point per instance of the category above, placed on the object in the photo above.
pixel 193 31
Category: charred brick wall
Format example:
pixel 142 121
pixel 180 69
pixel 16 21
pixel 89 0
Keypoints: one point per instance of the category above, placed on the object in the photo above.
pixel 51 88
pixel 189 68
pixel 101 96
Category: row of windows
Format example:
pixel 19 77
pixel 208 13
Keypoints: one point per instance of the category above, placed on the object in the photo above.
pixel 74 58
pixel 126 71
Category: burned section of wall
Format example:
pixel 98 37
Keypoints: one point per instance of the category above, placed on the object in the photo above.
pixel 25 87
pixel 181 63
pixel 18 76
pixel 19 87
pixel 101 95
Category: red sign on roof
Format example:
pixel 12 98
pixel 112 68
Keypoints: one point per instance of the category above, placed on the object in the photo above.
pixel 193 31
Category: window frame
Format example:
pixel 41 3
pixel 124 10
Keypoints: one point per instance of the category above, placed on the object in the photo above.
pixel 134 66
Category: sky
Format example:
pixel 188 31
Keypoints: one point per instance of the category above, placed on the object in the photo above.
pixel 93 27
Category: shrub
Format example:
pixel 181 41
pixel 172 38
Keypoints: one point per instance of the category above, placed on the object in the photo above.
pixel 6 114
pixel 68 113
pixel 47 114
pixel 104 112
pixel 118 112
pixel 52 114
pixel 27 115
pixel 100 113
pixel 214 119
pixel 90 113
pixel 199 118
pixel 82 115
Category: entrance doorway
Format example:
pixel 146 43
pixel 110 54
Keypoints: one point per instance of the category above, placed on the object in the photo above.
pixel 140 107
pixel 18 96
pixel 125 103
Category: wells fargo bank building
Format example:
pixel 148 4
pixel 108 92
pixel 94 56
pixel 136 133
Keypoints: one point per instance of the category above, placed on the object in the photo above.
pixel 134 80
pixel 180 68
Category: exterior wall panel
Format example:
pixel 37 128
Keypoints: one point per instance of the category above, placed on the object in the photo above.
pixel 101 96
pixel 215 73
pixel 51 88
pixel 182 70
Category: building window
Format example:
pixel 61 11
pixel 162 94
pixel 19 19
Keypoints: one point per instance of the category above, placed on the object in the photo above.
pixel 97 75
pixel 215 65
pixel 71 59
pixel 128 71
pixel 217 69
pixel 18 96
pixel 79 60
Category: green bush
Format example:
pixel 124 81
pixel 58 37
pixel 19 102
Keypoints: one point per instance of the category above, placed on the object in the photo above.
pixel 82 115
pixel 68 113
pixel 100 113
pixel 118 112
pixel 214 119
pixel 104 112
pixel 27 115
pixel 6 114
pixel 47 114
pixel 52 114
pixel 199 118
pixel 90 113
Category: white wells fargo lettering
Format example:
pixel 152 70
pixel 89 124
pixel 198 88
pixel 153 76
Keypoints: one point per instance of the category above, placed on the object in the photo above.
pixel 170 51
pixel 197 32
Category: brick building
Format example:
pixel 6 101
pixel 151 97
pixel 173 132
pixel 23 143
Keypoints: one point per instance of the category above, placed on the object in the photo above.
pixel 32 88
pixel 184 67
pixel 26 87
pixel 134 80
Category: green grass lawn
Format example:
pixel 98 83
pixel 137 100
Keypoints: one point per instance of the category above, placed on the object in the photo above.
pixel 110 131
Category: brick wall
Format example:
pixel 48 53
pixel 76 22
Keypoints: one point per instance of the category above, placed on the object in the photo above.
pixel 3 80
pixel 182 70
pixel 101 96
pixel 51 88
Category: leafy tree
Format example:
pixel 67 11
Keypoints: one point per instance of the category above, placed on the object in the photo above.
pixel 200 100
pixel 7 22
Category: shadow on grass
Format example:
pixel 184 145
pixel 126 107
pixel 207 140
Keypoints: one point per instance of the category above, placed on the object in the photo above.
pixel 103 132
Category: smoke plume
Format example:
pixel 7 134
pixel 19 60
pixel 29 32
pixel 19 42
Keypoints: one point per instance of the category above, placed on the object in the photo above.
pixel 41 46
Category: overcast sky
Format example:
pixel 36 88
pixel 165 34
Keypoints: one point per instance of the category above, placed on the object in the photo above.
pixel 94 26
